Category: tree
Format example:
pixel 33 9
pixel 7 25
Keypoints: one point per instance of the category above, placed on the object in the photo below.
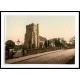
pixel 6 52
pixel 63 43
pixel 59 42
pixel 56 42
pixel 48 44
pixel 10 44
pixel 45 44
pixel 72 42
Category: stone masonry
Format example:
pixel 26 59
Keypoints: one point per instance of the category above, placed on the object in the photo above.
pixel 32 36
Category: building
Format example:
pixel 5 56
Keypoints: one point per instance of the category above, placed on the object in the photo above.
pixel 32 38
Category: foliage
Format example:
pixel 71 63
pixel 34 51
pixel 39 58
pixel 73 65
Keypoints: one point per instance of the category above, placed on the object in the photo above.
pixel 56 42
pixel 45 44
pixel 72 41
pixel 59 42
pixel 48 44
pixel 10 44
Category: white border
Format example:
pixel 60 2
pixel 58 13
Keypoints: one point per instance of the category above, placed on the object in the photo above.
pixel 76 65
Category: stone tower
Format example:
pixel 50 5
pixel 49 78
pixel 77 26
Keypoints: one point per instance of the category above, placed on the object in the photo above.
pixel 32 36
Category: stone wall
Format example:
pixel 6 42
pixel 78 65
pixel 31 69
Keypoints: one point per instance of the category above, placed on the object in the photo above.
pixel 42 50
pixel 29 52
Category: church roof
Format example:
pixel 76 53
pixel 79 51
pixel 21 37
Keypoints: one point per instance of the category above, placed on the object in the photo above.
pixel 42 38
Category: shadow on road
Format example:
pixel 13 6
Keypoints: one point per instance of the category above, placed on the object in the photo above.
pixel 71 61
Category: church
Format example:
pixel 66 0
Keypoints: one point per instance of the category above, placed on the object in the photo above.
pixel 32 37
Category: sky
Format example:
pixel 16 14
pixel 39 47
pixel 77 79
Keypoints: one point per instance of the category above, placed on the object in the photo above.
pixel 49 26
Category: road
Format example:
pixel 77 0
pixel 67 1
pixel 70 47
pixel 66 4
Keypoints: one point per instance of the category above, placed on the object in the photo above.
pixel 58 57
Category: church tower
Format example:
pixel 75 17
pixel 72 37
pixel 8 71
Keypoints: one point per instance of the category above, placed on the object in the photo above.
pixel 32 36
